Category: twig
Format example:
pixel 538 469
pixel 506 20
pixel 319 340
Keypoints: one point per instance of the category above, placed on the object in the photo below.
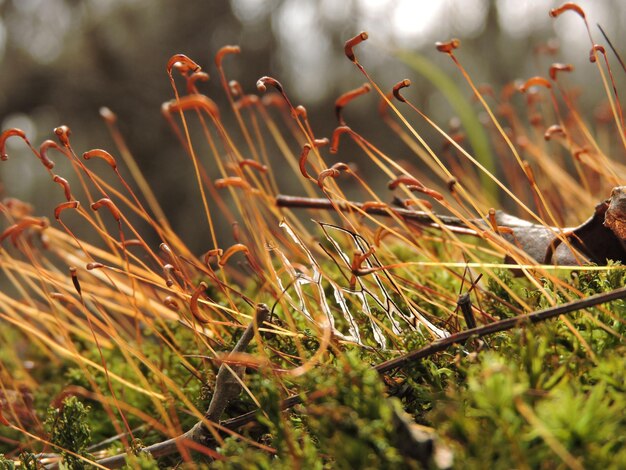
pixel 170 446
pixel 227 387
pixel 423 218
pixel 502 325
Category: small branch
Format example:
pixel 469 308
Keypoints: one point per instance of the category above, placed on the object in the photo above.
pixel 227 387
pixel 502 325
pixel 423 218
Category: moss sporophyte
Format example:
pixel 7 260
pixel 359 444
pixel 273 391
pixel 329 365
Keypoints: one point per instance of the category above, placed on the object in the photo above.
pixel 399 329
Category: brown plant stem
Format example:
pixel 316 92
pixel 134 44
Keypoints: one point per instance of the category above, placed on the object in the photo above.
pixel 499 326
pixel 423 218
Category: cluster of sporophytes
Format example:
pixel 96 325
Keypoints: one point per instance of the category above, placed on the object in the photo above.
pixel 334 344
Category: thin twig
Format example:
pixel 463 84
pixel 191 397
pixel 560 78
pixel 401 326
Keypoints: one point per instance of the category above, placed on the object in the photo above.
pixel 421 217
pixel 227 384
pixel 502 325
pixel 227 387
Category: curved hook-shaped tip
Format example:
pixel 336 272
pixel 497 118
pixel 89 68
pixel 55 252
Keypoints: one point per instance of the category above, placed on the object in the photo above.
pixel 448 46
pixel 183 63
pixel 63 206
pixel 398 86
pixel 552 131
pixel 43 152
pixel 5 135
pixel 557 67
pixel 535 81
pixel 596 48
pixel 65 185
pixel 193 78
pixel 190 102
pixel 193 302
pixel 103 154
pixel 304 155
pixel 63 134
pixel 350 43
pixel 106 202
pixel 237 247
pixel 344 99
pixel 262 83
pixel 568 6
pixel 337 133
pixel 224 51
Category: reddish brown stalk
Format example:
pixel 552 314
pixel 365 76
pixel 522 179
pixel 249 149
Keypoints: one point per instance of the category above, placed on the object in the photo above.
pixel 332 172
pixel 337 133
pixel 530 176
pixel 27 222
pixel 195 101
pixel 557 68
pixel 110 160
pixel 350 43
pixel 233 88
pixel 193 302
pixel 448 46
pixel 344 99
pixel 65 185
pixel 619 58
pixel 182 63
pixel 63 206
pixel 231 251
pixel 106 202
pixel 12 133
pixel 262 84
pixel 304 155
pixel 193 78
pixel 253 164
pixel 103 155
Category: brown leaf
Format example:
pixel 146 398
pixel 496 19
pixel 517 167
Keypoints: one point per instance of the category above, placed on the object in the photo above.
pixel 594 241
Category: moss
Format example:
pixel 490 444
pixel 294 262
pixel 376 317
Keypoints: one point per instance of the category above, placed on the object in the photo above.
pixel 540 399
pixel 70 432
pixel 140 461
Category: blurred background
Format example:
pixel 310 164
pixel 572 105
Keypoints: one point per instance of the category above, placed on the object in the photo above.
pixel 61 60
